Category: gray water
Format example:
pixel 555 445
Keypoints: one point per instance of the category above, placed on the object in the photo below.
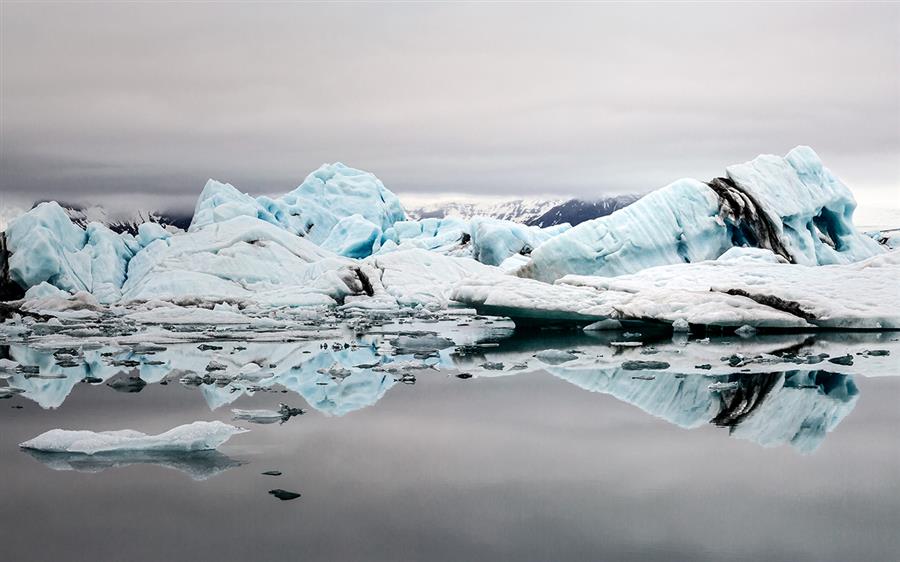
pixel 541 465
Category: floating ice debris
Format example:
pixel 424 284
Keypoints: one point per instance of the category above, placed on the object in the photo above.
pixel 284 495
pixel 283 414
pixel 720 386
pixel 681 325
pixel 126 383
pixel 256 416
pixel 626 343
pixel 271 473
pixel 846 360
pixel 645 365
pixel 555 356
pixel 196 436
pixel 404 345
pixel 746 331
pixel 492 366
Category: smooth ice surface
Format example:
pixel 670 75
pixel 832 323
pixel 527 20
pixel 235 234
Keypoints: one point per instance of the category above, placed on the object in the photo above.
pixel 197 436
pixel 678 223
pixel 354 237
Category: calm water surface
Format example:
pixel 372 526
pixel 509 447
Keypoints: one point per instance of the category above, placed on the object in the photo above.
pixel 525 467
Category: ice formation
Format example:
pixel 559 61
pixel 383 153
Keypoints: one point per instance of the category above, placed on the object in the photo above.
pixel 793 206
pixel 331 193
pixel 729 293
pixel 769 245
pixel 197 436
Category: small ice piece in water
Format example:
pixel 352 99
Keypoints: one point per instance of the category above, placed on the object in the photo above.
pixel 284 495
pixel 256 416
pixel 746 331
pixel 681 325
pixel 126 383
pixel 197 436
pixel 645 365
pixel 626 343
pixel 555 356
pixel 720 386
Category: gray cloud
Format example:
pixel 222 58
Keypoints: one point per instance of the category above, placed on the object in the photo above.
pixel 142 102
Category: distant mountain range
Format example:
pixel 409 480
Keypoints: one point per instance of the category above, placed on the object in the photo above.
pixel 576 211
pixel 537 212
pixel 534 212
pixel 127 222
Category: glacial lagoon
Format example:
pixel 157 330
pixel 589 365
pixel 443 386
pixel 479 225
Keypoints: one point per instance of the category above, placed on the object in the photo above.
pixel 456 437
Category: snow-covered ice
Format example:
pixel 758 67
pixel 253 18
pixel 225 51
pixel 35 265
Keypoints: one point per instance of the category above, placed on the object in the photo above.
pixel 729 293
pixel 196 436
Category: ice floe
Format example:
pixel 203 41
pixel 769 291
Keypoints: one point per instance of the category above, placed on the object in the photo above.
pixel 197 436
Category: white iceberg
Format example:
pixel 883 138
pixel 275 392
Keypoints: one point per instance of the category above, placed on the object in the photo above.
pixel 729 293
pixel 197 436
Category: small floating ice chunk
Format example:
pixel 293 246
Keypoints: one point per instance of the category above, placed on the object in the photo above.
pixel 256 416
pixel 626 343
pixel 197 436
pixel 555 356
pixel 681 325
pixel 746 331
pixel 720 386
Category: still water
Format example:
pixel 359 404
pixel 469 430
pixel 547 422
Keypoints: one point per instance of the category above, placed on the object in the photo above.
pixel 585 462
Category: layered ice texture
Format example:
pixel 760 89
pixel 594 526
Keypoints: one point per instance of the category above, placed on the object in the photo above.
pixel 793 206
pixel 771 244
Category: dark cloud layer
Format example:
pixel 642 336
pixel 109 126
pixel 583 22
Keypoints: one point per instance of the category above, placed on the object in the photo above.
pixel 143 102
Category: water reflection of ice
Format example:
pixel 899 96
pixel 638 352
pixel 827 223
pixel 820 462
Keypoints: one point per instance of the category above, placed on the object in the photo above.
pixel 771 389
pixel 199 465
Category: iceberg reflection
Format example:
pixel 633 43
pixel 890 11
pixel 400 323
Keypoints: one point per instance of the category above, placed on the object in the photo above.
pixel 199 465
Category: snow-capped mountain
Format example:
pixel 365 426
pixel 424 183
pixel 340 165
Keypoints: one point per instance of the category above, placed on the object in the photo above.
pixel 122 222
pixel 577 211
pixel 516 210
pixel 534 212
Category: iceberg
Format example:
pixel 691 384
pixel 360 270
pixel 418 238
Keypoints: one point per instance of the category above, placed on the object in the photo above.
pixel 197 436
pixel 313 209
pixel 495 240
pixel 240 259
pixel 793 206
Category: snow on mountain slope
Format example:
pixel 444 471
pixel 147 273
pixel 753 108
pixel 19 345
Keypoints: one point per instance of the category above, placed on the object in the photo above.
pixel 532 211
pixel 577 211
pixel 516 210
pixel 120 222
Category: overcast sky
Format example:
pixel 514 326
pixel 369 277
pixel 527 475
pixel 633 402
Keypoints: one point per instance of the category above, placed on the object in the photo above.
pixel 140 103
